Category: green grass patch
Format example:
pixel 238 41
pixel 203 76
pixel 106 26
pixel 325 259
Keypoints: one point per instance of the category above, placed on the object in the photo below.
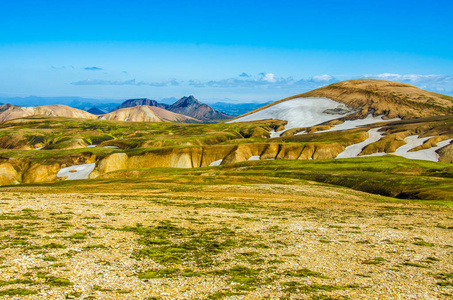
pixel 56 281
pixel 374 261
pixel 423 243
pixel 16 281
pixel 412 264
pixel 296 287
pixel 305 273
pixel 199 246
pixel 17 292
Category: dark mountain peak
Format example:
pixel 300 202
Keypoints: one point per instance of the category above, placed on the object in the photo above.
pixel 96 111
pixel 140 101
pixel 6 106
pixel 190 106
pixel 187 101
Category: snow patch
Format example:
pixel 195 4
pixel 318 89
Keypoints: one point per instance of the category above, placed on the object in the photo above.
pixel 274 133
pixel 425 154
pixel 353 150
pixel 77 172
pixel 255 157
pixel 359 122
pixel 111 147
pixel 412 141
pixel 216 163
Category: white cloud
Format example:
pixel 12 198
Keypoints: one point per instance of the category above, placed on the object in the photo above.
pixel 413 77
pixel 434 82
pixel 269 77
pixel 320 78
pixel 266 80
pixel 169 82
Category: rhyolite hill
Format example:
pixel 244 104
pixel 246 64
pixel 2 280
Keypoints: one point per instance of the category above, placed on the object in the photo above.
pixel 146 113
pixel 8 112
pixel 379 97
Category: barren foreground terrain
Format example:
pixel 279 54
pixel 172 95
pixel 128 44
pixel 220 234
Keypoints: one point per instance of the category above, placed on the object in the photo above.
pixel 157 238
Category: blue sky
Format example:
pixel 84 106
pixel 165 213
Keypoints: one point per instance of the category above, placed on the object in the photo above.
pixel 239 50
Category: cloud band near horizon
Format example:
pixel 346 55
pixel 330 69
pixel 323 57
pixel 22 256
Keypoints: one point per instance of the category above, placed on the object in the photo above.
pixel 434 82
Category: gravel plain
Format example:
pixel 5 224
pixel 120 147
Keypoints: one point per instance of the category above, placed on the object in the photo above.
pixel 240 241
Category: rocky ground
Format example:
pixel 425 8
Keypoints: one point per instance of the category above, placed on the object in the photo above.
pixel 237 241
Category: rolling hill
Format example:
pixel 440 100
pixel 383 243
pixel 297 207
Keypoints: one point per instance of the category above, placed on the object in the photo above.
pixel 8 112
pixel 348 120
pixel 146 113
pixel 348 102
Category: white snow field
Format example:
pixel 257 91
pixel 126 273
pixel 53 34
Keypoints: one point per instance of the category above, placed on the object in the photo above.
pixel 299 112
pixel 77 172
pixel 307 112
pixel 355 149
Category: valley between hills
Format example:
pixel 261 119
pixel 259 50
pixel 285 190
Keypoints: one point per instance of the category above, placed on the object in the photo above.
pixel 344 192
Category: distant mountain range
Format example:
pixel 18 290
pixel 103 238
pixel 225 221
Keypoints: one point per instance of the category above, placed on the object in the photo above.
pixel 187 109
pixel 237 109
pixel 104 106
pixel 140 113
pixel 188 106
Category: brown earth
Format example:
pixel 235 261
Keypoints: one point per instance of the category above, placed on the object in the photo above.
pixel 446 154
